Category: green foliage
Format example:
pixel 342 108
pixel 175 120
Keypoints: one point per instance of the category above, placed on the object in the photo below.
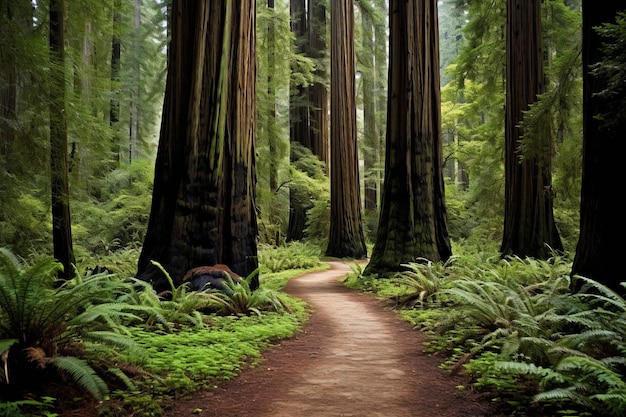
pixel 28 408
pixel 187 359
pixel 237 298
pixel 26 224
pixel 44 326
pixel 514 326
pixel 424 280
pixel 611 70
pixel 310 191
pixel 293 255
pixel 120 218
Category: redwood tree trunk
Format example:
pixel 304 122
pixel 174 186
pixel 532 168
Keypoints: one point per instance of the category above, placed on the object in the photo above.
pixel 413 220
pixel 346 239
pixel 602 221
pixel 319 121
pixel 203 201
pixel 370 134
pixel 529 228
pixel 60 190
pixel 298 123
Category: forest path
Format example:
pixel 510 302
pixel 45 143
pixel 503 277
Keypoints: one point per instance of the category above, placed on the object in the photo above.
pixel 354 358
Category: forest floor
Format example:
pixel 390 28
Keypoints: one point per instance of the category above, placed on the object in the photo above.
pixel 355 357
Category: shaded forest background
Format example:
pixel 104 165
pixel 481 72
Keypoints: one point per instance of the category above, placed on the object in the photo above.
pixel 115 67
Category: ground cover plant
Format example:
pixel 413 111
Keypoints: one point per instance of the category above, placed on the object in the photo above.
pixel 514 326
pixel 511 324
pixel 131 349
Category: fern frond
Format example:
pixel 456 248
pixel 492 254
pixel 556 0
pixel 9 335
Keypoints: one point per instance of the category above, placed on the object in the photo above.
pixel 83 374
pixel 114 339
pixel 122 377
pixel 5 344
pixel 557 394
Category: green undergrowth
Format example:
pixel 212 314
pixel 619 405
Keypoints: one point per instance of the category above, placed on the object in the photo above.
pixel 124 346
pixel 186 360
pixel 515 329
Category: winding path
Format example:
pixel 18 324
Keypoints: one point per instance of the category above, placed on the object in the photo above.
pixel 354 358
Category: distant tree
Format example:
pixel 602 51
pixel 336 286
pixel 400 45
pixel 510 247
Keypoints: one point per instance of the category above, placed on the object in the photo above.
pixel 346 237
pixel 203 210
pixel 413 219
pixel 11 27
pixel 602 221
pixel 116 54
pixel 318 92
pixel 529 227
pixel 299 121
pixel 271 93
pixel 372 69
pixel 61 223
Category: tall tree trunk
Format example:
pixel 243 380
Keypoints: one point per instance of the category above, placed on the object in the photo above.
pixel 61 225
pixel 413 219
pixel 203 209
pixel 8 87
pixel 319 120
pixel 273 137
pixel 370 145
pixel 602 221
pixel 529 228
pixel 380 89
pixel 346 238
pixel 116 53
pixel 298 123
pixel 135 88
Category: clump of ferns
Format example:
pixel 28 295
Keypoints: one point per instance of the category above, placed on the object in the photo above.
pixel 500 312
pixel 238 298
pixel 575 356
pixel 46 330
pixel 423 281
pixel 177 307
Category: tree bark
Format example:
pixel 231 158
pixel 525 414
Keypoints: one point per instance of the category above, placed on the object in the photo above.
pixel 116 55
pixel 529 228
pixel 319 120
pixel 61 224
pixel 298 123
pixel 346 239
pixel 413 219
pixel 203 209
pixel 602 221
pixel 370 136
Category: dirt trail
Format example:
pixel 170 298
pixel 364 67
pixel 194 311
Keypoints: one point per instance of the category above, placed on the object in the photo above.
pixel 354 358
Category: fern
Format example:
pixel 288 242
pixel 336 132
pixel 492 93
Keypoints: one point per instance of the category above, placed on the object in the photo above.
pixel 45 322
pixel 589 383
pixel 83 374
pixel 238 298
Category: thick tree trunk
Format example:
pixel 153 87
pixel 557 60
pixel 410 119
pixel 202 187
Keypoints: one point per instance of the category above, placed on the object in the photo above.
pixel 203 201
pixel 602 221
pixel 346 239
pixel 61 224
pixel 529 228
pixel 413 220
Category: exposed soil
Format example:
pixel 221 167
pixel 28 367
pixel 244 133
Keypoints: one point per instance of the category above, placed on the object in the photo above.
pixel 355 357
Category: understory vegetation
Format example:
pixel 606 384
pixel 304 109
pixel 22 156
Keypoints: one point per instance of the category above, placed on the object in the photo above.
pixel 107 341
pixel 516 329
pixel 511 325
